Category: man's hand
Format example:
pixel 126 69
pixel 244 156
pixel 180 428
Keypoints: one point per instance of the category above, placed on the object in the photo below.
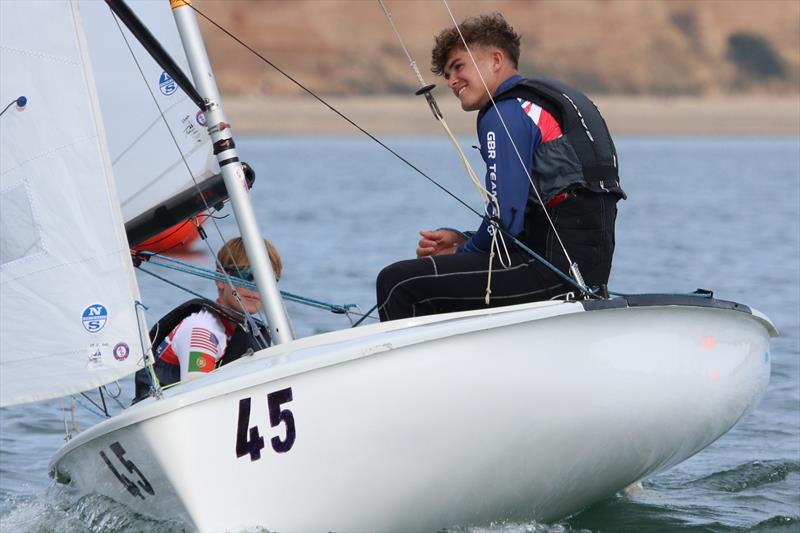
pixel 438 242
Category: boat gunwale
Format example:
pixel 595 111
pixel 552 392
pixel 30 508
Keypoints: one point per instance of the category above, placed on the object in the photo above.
pixel 679 300
pixel 358 343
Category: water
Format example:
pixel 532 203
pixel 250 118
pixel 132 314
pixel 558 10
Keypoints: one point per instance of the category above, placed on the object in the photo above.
pixel 718 213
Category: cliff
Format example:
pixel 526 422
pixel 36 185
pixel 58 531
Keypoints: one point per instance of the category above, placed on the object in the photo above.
pixel 638 47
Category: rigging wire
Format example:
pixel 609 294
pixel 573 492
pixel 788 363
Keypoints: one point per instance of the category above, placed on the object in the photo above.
pixel 164 262
pixel 147 351
pixel 103 410
pixel 573 266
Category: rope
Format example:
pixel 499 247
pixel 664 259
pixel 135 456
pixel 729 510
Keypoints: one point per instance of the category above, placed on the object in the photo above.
pixel 116 396
pixel 21 102
pixel 365 315
pixel 187 268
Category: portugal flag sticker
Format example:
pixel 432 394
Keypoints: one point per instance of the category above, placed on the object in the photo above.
pixel 201 362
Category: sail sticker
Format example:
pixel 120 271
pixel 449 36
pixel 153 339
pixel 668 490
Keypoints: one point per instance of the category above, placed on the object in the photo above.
pixel 190 130
pixel 94 318
pixel 167 84
pixel 121 351
pixel 200 117
pixel 95 353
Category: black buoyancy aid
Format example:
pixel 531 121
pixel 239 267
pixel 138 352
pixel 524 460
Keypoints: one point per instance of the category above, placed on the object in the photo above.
pixel 584 134
pixel 241 341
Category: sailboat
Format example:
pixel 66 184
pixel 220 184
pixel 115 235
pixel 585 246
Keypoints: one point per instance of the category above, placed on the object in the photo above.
pixel 410 425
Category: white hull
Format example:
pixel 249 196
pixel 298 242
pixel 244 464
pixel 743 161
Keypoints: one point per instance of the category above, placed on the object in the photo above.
pixel 519 413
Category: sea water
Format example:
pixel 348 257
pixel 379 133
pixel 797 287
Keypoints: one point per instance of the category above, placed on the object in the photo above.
pixel 716 213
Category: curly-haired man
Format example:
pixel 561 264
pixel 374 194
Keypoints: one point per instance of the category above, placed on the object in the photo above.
pixel 547 152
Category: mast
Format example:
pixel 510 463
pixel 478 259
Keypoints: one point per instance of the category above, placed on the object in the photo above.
pixel 232 172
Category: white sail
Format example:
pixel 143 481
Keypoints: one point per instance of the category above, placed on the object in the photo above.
pixel 68 319
pixel 148 164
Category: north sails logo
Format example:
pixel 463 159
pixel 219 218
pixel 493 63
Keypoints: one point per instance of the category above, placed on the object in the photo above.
pixel 94 317
pixel 167 84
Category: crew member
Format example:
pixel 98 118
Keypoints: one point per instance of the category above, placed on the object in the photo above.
pixel 199 335
pixel 531 132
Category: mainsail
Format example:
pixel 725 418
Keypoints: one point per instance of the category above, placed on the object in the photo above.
pixel 68 314
pixel 145 148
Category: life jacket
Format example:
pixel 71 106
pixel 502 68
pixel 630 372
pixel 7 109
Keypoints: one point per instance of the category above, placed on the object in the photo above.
pixel 241 341
pixel 584 156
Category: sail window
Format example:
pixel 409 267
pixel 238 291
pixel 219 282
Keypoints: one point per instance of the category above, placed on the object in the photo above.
pixel 19 236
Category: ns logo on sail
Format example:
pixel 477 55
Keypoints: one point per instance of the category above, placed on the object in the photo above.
pixel 94 317
pixel 167 84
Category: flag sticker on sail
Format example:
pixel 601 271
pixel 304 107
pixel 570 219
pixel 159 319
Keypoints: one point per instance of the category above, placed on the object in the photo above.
pixel 94 317
pixel 121 351
pixel 201 118
pixel 167 84
pixel 201 362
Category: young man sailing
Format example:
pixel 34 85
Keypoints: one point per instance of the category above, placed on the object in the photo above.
pixel 550 165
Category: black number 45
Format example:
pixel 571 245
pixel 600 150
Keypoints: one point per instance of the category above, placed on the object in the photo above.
pixel 249 439
pixel 134 488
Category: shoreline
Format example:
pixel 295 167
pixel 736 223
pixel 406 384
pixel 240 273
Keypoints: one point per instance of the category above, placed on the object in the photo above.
pixel 761 115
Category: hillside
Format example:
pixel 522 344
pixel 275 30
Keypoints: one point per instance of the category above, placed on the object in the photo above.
pixel 641 47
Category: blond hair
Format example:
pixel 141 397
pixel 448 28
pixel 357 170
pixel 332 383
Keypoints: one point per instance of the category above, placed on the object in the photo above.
pixel 232 255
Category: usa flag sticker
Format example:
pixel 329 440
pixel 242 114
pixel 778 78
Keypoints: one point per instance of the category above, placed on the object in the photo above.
pixel 203 340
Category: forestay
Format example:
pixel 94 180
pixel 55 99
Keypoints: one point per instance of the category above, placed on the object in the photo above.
pixel 148 165
pixel 68 319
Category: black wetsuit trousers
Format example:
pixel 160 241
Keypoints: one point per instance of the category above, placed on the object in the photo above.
pixel 447 283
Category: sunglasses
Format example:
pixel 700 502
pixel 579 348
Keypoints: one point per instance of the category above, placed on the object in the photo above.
pixel 245 273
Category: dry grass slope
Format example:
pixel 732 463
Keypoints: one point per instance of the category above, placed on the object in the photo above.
pixel 653 66
pixel 661 47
